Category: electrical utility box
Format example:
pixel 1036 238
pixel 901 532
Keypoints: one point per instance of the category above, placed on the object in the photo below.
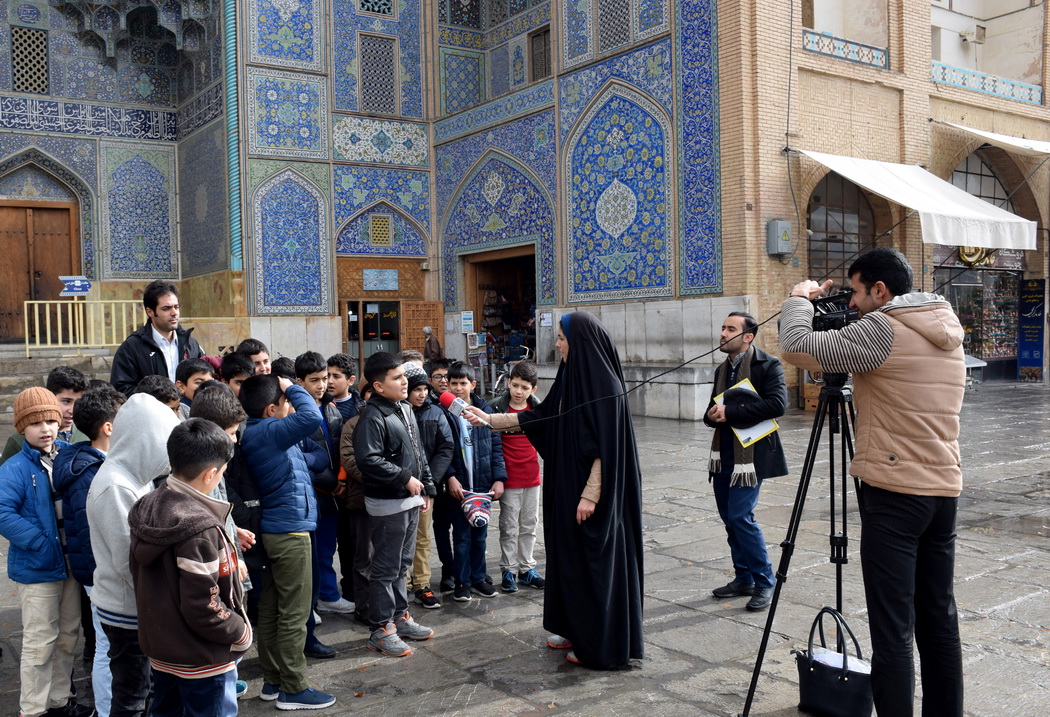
pixel 778 237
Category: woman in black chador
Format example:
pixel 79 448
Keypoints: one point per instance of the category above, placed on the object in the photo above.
pixel 592 500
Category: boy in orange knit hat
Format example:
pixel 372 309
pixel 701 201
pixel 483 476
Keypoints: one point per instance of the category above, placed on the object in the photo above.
pixel 32 521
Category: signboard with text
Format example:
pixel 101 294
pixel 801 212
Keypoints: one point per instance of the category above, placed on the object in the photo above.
pixel 1031 309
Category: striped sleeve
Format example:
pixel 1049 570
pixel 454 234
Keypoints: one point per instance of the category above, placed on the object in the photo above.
pixel 859 347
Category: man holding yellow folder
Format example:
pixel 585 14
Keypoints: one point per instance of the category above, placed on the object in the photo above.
pixel 749 389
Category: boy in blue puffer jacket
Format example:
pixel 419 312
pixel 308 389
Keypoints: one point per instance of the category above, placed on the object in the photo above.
pixel 30 519
pixel 75 468
pixel 289 514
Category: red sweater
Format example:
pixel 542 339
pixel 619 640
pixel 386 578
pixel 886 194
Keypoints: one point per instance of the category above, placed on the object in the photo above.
pixel 523 463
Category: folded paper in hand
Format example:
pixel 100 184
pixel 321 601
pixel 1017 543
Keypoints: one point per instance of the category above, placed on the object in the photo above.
pixel 751 434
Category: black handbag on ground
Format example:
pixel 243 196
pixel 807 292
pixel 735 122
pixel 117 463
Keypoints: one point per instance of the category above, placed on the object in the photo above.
pixel 832 683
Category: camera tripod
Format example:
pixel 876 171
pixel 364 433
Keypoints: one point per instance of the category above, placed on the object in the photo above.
pixel 836 405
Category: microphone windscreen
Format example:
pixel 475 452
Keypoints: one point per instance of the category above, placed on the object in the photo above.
pixel 447 399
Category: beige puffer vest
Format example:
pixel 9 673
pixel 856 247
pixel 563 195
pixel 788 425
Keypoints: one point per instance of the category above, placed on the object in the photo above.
pixel 908 408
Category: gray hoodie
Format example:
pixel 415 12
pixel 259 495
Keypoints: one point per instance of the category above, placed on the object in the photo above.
pixel 138 453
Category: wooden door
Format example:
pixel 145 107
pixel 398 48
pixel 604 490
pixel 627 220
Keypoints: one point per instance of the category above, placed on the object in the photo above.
pixel 417 314
pixel 39 242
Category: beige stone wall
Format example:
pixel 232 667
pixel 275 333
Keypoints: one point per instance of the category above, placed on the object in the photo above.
pixel 768 82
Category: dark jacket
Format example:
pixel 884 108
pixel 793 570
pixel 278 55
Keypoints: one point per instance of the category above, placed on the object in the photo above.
pixel 27 520
pixel 139 356
pixel 326 476
pixel 385 453
pixel 436 439
pixel 489 466
pixel 75 467
pixel 244 496
pixel 190 600
pixel 767 376
pixel 352 406
pixel 354 497
pixel 272 454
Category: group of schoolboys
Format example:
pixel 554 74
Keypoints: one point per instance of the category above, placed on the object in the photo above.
pixel 193 538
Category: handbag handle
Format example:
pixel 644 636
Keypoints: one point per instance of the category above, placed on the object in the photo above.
pixel 843 629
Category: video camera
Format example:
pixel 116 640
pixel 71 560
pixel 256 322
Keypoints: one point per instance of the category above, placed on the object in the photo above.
pixel 831 313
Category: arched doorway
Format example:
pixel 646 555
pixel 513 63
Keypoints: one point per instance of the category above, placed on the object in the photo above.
pixel 842 226
pixel 39 240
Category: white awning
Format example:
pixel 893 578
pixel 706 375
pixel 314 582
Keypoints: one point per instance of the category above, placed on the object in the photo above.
pixel 948 215
pixel 1017 145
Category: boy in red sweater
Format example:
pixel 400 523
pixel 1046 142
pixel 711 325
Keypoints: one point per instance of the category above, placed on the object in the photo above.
pixel 519 510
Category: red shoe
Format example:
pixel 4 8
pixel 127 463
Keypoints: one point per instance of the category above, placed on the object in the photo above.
pixel 571 657
pixel 557 642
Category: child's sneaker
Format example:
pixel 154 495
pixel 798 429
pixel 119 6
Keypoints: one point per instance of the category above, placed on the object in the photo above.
pixel 531 578
pixel 308 699
pixel 448 583
pixel 241 688
pixel 462 594
pixel 269 692
pixel 484 589
pixel 509 584
pixel 427 598
pixel 386 642
pixel 410 629
pixel 341 606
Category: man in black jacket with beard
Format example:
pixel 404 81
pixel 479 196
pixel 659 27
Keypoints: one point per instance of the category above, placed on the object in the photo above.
pixel 159 346
pixel 737 471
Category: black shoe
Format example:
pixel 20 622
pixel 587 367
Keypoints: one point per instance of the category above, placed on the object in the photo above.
pixel 362 618
pixel 447 585
pixel 760 600
pixel 462 593
pixel 734 589
pixel 71 709
pixel 484 589
pixel 319 651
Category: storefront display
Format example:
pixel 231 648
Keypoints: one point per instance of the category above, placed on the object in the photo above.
pixel 986 302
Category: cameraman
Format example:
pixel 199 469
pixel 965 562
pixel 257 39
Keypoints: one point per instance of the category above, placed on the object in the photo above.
pixel 905 353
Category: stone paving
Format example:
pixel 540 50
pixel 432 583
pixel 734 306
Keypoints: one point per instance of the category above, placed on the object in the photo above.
pixel 488 656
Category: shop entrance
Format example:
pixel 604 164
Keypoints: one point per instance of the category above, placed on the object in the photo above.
pixel 986 302
pixel 38 241
pixel 501 290
pixel 372 326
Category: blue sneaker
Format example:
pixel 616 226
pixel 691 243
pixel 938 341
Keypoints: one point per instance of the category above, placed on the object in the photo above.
pixel 269 692
pixel 509 584
pixel 308 699
pixel 242 688
pixel 532 579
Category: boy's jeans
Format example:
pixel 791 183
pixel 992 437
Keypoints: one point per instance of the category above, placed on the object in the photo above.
pixel 207 697
pixel 393 546
pixel 50 625
pixel 519 513
pixel 469 542
pixel 101 679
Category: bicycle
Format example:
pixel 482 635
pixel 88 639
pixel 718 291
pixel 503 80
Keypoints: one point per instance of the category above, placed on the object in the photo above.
pixel 500 387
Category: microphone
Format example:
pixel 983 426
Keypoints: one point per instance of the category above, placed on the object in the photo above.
pixel 456 406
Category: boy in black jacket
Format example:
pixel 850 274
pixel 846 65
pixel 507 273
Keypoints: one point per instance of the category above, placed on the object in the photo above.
pixel 397 484
pixel 436 440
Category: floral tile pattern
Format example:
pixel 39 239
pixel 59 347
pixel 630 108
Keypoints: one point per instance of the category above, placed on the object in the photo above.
pixel 462 80
pixel 360 139
pixel 359 187
pixel 530 99
pixel 32 184
pixel 287 114
pixel 354 237
pixel 287 33
pixel 203 209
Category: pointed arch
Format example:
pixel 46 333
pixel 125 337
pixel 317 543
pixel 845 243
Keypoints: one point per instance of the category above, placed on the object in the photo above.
pixel 80 189
pixel 410 239
pixel 621 197
pixel 290 243
pixel 499 203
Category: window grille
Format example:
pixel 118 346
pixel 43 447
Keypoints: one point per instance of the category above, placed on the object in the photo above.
pixel 540 51
pixel 380 231
pixel 379 93
pixel 842 226
pixel 377 7
pixel 29 60
pixel 614 24
pixel 975 177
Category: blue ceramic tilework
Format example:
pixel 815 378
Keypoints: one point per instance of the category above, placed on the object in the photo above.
pixel 500 205
pixel 498 111
pixel 291 247
pixel 518 25
pixel 200 110
pixel 467 13
pixel 529 140
pixel 359 187
pixel 379 279
pixel 23 114
pixel 82 153
pixel 650 18
pixel 462 80
pixel 406 26
pixel 286 33
pixel 203 209
pixel 700 220
pixel 33 184
pixel 519 63
pixel 27 13
pixel 360 139
pixel 287 114
pixel 648 68
pixel 353 238
pixel 144 85
pixel 499 71
pixel 618 207
pixel 200 68
pixel 5 52
pixel 138 211
pixel 461 37
pixel 578 32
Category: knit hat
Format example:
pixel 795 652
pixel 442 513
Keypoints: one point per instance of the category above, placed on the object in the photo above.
pixel 36 404
pixel 477 507
pixel 415 375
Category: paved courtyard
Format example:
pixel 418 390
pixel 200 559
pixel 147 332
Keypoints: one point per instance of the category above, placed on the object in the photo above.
pixel 488 656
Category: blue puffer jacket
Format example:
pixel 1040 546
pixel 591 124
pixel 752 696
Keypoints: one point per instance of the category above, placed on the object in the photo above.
pixel 271 449
pixel 74 469
pixel 489 466
pixel 27 520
